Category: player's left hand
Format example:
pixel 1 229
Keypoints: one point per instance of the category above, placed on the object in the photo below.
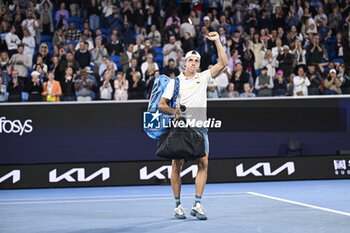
pixel 212 36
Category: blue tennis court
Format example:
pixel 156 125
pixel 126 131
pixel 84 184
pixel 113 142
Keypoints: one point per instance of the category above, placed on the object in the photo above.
pixel 290 206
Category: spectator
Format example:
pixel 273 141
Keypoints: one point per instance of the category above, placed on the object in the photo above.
pixel 94 12
pixel 62 16
pixel 194 18
pixel 155 37
pixel 258 49
pixel 103 66
pixel 46 8
pixel 99 34
pixel 248 92
pixel 139 16
pixel 332 84
pixel 239 77
pixel 128 33
pixel 83 85
pixel 180 61
pixel 270 63
pixel 138 46
pixel 34 87
pixel 264 83
pixel 315 51
pixel 292 18
pixel 137 87
pixel 205 49
pixel 148 67
pixel 299 53
pixel 229 91
pixel 107 9
pixel 88 42
pixel 52 89
pixel 82 56
pixel 44 53
pixel 21 63
pixel 28 43
pixel 43 66
pixel 152 17
pixel 125 58
pixel 212 89
pixel 207 23
pixel 186 26
pixel 6 68
pixel 170 70
pixel 68 61
pixel 106 89
pixel 188 43
pixel 67 85
pixel 55 68
pixel 170 50
pixel 30 23
pixel 134 68
pixel 264 21
pixel 115 47
pixel 59 38
pixel 222 80
pixel 73 34
pixel 279 84
pixel 301 83
pixel 143 34
pixel 315 80
pixel 144 52
pixel 345 88
pixel 2 90
pixel 223 37
pixel 335 19
pixel 150 83
pixel 15 88
pixel 12 42
pixel 250 20
pixel 339 46
pixel 121 86
pixel 278 49
pixel 286 61
pixel 74 6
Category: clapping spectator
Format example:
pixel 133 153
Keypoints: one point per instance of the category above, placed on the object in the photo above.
pixel 155 37
pixel 106 89
pixel 21 63
pixel 82 56
pixel 148 67
pixel 315 80
pixel 286 60
pixel 137 87
pixel 67 85
pixel 121 86
pixel 248 91
pixel 15 88
pixel 332 84
pixel 83 85
pixel 301 83
pixel 34 87
pixel 52 89
pixel 230 91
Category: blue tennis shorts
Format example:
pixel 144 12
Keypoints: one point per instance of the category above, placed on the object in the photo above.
pixel 204 131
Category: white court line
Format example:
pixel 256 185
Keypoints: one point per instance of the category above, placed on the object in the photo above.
pixel 300 203
pixel 115 199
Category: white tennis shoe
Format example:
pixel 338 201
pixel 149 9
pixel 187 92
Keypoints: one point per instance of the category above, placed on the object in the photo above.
pixel 179 212
pixel 198 211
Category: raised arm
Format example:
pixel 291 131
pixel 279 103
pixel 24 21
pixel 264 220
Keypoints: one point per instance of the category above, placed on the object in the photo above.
pixel 217 68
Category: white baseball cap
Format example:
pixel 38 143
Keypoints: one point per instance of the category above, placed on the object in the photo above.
pixel 206 18
pixel 332 71
pixel 192 53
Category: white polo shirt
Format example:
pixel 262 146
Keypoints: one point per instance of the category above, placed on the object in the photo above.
pixel 192 94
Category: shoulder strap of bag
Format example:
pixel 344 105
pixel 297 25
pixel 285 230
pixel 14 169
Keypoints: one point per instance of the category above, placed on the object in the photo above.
pixel 176 92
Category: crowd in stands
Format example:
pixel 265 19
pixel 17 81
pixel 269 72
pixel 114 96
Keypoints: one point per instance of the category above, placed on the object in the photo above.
pixel 60 50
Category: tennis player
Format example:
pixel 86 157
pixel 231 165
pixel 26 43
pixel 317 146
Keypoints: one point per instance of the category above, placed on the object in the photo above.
pixel 193 94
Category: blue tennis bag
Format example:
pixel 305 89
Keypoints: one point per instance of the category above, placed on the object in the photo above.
pixel 155 122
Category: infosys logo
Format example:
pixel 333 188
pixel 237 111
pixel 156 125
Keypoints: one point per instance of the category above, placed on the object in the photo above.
pixel 15 126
